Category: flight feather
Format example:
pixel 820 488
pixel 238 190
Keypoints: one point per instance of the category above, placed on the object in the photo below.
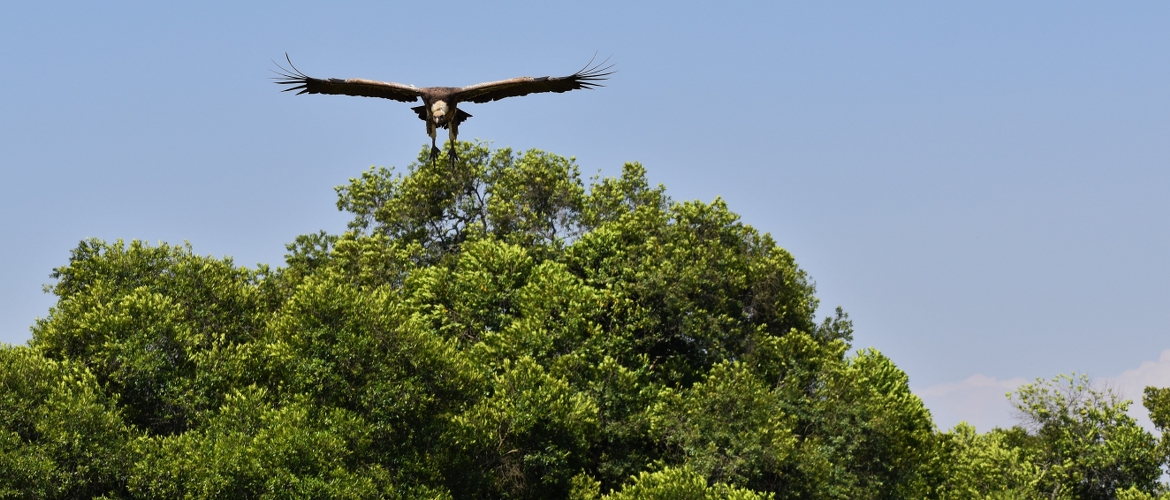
pixel 352 86
pixel 588 77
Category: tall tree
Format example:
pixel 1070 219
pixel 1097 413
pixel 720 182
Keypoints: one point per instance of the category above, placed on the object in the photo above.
pixel 491 327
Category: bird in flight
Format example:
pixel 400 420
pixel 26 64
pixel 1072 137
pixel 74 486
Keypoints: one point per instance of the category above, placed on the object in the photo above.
pixel 440 107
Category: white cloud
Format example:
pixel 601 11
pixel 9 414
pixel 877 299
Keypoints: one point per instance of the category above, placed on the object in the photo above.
pixel 980 400
pixel 1131 383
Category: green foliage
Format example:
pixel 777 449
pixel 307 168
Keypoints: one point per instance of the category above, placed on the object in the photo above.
pixel 494 328
pixel 1157 401
pixel 159 327
pixel 977 466
pixel 250 449
pixel 60 436
pixel 680 484
pixel 1075 442
pixel 1085 440
pixel 727 427
pixel 528 437
pixel 1133 493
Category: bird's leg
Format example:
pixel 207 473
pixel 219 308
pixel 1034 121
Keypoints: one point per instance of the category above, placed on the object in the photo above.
pixel 431 131
pixel 451 140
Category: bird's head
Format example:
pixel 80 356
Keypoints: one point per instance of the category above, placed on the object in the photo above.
pixel 439 112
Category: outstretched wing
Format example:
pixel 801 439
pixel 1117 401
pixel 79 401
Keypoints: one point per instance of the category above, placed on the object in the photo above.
pixel 353 86
pixel 586 78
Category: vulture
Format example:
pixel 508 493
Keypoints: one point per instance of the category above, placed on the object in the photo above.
pixel 440 105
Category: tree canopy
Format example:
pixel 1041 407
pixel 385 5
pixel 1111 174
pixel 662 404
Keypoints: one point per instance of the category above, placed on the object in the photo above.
pixel 496 328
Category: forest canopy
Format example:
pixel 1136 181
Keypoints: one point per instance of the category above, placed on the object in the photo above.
pixel 495 327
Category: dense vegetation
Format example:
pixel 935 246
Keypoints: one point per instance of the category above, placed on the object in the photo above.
pixel 497 329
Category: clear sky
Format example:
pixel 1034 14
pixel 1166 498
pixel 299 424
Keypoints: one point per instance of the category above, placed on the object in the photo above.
pixel 983 186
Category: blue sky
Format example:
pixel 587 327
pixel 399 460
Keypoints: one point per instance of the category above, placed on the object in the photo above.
pixel 984 187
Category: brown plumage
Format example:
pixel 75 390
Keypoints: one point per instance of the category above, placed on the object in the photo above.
pixel 440 104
